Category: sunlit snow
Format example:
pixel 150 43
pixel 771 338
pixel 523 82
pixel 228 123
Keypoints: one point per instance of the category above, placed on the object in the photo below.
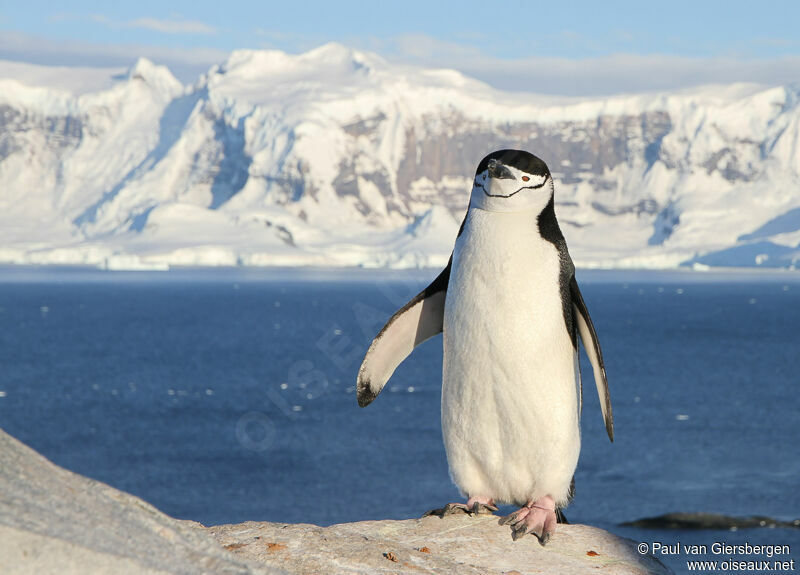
pixel 336 157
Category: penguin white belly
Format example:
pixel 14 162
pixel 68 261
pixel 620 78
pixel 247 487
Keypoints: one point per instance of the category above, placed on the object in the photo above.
pixel 510 415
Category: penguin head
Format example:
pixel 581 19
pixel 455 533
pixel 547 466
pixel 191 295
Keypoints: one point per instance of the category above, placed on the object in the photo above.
pixel 511 181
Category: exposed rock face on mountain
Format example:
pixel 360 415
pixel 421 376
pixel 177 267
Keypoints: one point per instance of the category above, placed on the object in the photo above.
pixel 55 521
pixel 336 157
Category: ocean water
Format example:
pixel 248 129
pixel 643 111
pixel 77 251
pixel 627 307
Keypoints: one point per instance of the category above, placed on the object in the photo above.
pixel 229 396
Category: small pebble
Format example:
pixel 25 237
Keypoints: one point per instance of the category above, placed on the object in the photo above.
pixel 390 556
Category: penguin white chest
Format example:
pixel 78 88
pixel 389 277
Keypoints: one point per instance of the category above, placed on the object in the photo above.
pixel 510 379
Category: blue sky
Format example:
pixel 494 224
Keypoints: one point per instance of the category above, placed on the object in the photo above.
pixel 555 47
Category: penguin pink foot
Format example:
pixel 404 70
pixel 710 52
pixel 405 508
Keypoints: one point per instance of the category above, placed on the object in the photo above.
pixel 474 506
pixel 537 517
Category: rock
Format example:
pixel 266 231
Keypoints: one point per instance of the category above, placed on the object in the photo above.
pixel 455 544
pixel 55 521
pixel 708 521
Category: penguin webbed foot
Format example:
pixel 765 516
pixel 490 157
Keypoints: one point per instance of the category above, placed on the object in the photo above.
pixel 472 507
pixel 537 517
pixel 449 509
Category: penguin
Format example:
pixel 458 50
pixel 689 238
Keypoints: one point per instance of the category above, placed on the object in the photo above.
pixel 511 312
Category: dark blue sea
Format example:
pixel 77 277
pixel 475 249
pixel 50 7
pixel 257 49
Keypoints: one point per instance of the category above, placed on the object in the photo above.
pixel 226 396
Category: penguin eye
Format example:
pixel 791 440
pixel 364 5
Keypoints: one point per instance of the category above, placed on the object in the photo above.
pixel 525 178
pixel 484 176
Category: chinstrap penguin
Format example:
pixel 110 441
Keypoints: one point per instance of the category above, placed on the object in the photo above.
pixel 510 311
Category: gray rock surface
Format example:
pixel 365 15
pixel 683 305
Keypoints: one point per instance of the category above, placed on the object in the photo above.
pixel 461 545
pixel 55 521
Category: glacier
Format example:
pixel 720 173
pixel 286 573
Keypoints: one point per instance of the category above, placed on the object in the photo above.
pixel 336 157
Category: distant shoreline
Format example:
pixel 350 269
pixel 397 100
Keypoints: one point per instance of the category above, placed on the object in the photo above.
pixel 21 273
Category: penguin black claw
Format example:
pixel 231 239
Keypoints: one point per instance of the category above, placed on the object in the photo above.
pixel 482 509
pixel 544 539
pixel 510 520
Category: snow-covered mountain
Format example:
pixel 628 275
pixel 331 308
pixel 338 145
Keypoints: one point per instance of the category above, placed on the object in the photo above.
pixel 336 157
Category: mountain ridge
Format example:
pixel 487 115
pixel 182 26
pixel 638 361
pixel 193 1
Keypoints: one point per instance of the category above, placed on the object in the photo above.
pixel 335 156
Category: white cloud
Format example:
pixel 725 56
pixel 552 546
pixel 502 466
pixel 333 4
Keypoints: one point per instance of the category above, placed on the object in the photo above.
pixel 602 75
pixel 629 73
pixel 186 63
pixel 173 26
pixel 158 25
pixel 599 76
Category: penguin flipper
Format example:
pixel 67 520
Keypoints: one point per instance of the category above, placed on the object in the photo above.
pixel 592 347
pixel 417 321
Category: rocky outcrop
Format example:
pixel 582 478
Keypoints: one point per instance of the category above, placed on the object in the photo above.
pixel 460 545
pixel 55 521
pixel 709 521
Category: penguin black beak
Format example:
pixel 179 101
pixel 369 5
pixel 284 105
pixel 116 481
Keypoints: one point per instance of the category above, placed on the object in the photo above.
pixel 498 171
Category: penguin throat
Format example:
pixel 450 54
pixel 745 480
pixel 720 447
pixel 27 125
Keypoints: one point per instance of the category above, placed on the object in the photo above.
pixel 500 209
